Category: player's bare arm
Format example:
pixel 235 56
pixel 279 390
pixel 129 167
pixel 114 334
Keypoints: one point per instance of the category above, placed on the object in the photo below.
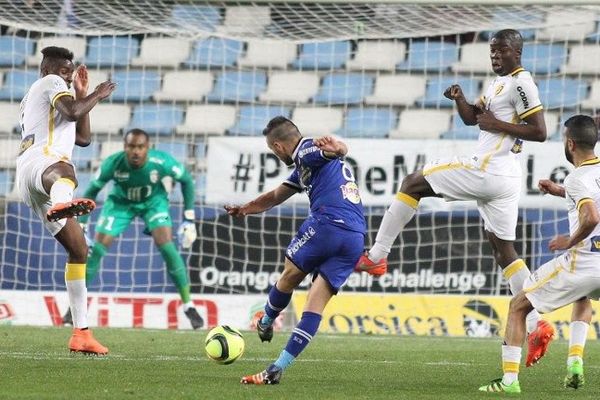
pixel 331 146
pixel 81 85
pixel 546 186
pixel 588 219
pixel 73 109
pixel 263 202
pixel 468 112
pixel 533 130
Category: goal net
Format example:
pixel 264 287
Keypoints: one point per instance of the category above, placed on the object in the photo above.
pixel 204 77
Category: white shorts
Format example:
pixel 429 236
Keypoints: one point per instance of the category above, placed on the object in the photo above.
pixel 564 280
pixel 497 196
pixel 30 168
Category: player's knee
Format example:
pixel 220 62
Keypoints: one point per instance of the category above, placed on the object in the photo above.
pixel 413 184
pixel 519 303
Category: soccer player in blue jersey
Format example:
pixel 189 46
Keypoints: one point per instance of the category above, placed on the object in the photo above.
pixel 328 243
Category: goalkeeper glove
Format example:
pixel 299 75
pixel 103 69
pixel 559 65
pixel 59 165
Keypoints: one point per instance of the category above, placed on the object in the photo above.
pixel 186 234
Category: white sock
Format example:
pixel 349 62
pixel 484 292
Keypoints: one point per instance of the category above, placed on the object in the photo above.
pixel 62 191
pixel 77 291
pixel 400 212
pixel 579 331
pixel 187 306
pixel 511 358
pixel 516 273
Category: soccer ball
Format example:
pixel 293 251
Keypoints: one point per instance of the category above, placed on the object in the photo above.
pixel 224 344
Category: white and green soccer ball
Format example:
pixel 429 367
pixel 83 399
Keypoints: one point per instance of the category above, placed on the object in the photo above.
pixel 224 344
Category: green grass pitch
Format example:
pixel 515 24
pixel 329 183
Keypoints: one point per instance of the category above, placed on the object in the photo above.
pixel 160 364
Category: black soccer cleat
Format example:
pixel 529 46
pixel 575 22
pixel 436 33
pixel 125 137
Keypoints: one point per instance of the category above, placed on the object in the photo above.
pixel 195 318
pixel 270 376
pixel 265 333
pixel 67 319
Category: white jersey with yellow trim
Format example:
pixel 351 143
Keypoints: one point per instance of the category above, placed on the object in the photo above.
pixel 583 186
pixel 44 128
pixel 511 98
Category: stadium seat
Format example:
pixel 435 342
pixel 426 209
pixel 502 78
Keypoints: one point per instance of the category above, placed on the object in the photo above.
pixel 562 93
pixel 109 118
pixel 557 30
pixel 200 187
pixel 397 89
pixel 253 119
pixel 199 157
pixel 317 121
pixel 583 59
pixel 162 52
pixel 85 157
pixel 245 20
pixel 185 86
pixel 157 119
pixel 593 101
pixel 108 148
pixel 83 182
pixel 9 121
pixel 268 53
pixel 74 43
pixel 544 58
pixel 460 131
pixel 195 17
pixel 135 85
pixel 553 130
pixel 429 55
pixel 207 119
pixel 6 182
pixel 292 87
pixel 474 57
pixel 434 93
pixel 14 50
pixel 422 124
pixel 16 84
pixel 504 18
pixel 368 123
pixel 341 88
pixel 323 55
pixel 96 77
pixel 236 86
pixel 215 52
pixel 10 151
pixel 178 150
pixel 377 55
pixel 111 51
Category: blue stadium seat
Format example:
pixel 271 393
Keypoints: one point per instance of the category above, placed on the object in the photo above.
pixel 562 93
pixel 556 134
pixel 111 51
pixel 200 150
pixel 215 52
pixel 460 131
pixel 323 55
pixel 368 122
pixel 504 17
pixel 205 18
pixel 157 119
pixel 434 93
pixel 135 85
pixel 253 119
pixel 6 182
pixel 544 58
pixel 16 84
pixel 83 182
pixel 83 156
pixel 237 86
pixel 595 36
pixel 178 150
pixel 344 88
pixel 200 186
pixel 14 50
pixel 429 56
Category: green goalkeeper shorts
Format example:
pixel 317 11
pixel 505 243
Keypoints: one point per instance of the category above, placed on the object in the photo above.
pixel 116 215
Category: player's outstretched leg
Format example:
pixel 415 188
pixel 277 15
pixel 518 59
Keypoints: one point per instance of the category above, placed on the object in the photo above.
pixel 276 303
pixel 538 342
pixel 82 341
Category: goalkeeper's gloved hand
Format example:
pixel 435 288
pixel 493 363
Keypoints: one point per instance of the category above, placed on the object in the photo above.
pixel 88 240
pixel 187 234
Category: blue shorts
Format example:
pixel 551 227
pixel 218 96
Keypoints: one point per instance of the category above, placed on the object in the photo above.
pixel 325 249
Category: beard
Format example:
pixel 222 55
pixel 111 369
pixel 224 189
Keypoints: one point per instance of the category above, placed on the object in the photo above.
pixel 568 155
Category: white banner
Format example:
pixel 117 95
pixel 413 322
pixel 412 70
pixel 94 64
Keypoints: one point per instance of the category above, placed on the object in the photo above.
pixel 239 169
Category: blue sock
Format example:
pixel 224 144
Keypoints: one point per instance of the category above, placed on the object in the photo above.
pixel 276 302
pixel 301 337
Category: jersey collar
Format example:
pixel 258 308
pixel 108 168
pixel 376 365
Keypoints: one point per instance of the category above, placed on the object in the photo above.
pixel 592 161
pixel 516 71
pixel 297 148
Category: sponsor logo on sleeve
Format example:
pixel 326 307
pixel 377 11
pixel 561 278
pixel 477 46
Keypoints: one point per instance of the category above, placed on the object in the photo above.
pixel 350 192
pixel 595 244
pixel 523 97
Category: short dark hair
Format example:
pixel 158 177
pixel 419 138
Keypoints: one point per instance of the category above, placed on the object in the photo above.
pixel 53 54
pixel 281 128
pixel 512 36
pixel 136 132
pixel 583 131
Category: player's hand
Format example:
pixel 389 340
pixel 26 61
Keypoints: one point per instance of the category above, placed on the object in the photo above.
pixel 330 144
pixel 560 242
pixel 81 82
pixel 105 89
pixel 187 234
pixel 488 122
pixel 235 211
pixel 547 186
pixel 454 92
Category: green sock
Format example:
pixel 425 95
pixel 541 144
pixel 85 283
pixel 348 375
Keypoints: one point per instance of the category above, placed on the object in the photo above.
pixel 93 262
pixel 176 269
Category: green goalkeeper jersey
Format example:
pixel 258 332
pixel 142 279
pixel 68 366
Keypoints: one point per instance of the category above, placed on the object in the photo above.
pixel 136 186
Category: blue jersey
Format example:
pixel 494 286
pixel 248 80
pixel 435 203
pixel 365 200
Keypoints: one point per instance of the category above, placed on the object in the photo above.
pixel 330 185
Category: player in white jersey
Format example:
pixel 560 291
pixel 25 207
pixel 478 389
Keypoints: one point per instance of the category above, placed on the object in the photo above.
pixel 53 121
pixel 509 113
pixel 574 276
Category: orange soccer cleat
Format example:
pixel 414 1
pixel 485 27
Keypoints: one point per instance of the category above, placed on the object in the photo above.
pixel 270 376
pixel 538 342
pixel 364 264
pixel 82 341
pixel 70 209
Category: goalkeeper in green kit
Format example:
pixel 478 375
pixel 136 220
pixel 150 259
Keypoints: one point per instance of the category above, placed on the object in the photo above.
pixel 138 190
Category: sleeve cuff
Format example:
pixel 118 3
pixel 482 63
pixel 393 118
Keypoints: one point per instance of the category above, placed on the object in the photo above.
pixel 58 96
pixel 531 111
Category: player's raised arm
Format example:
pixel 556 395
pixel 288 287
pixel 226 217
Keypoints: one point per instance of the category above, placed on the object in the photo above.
pixel 331 147
pixel 263 202
pixel 468 112
pixel 83 135
pixel 74 109
pixel 546 186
